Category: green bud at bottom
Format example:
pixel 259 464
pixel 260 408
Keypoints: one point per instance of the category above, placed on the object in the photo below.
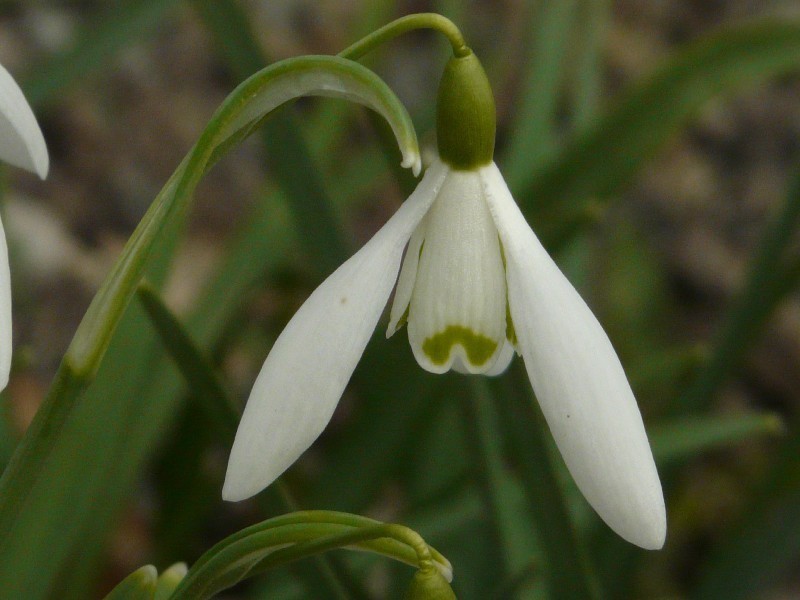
pixel 169 580
pixel 429 584
pixel 465 114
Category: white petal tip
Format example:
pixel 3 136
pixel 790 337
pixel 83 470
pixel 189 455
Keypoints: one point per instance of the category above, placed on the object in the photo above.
pixel 646 530
pixel 653 538
pixel 41 162
pixel 413 161
pixel 244 480
pixel 22 142
pixel 238 491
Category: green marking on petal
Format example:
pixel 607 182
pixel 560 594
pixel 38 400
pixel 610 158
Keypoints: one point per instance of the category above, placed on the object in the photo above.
pixel 511 335
pixel 403 319
pixel 479 348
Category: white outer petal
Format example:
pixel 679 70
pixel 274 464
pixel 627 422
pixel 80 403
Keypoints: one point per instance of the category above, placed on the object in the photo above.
pixel 21 140
pixel 312 360
pixel 5 312
pixel 579 382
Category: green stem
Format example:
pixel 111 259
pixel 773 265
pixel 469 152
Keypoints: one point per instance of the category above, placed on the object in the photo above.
pixel 293 537
pixel 397 533
pixel 403 25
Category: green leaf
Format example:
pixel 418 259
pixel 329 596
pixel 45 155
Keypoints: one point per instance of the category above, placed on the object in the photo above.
pixel 282 137
pixel 199 373
pixel 588 37
pixel 764 543
pixel 139 585
pixel 24 487
pixel 532 132
pixel 291 537
pixel 111 30
pixel 509 552
pixel 687 437
pixel 567 569
pixel 771 276
pixel 603 158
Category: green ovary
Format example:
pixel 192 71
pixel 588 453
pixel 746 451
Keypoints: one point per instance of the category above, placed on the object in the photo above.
pixel 479 348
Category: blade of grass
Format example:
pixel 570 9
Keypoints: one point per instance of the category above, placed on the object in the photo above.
pixel 603 158
pixel 566 570
pixel 110 30
pixel 767 283
pixel 315 220
pixel 588 35
pixel 198 372
pixel 684 438
pixel 533 129
pixel 506 553
pixel 48 443
pixel 764 543
pixel 392 391
pixel 323 579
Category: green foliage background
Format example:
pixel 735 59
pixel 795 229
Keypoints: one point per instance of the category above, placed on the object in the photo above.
pixel 133 458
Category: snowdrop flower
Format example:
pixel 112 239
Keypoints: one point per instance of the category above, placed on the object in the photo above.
pixel 475 287
pixel 21 145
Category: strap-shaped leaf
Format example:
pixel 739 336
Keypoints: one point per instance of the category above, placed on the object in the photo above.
pixel 601 160
pixel 237 117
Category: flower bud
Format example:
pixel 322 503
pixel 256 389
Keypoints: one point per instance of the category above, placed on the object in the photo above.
pixel 169 580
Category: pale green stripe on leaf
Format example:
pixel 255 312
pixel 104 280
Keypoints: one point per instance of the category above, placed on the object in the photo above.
pixel 241 112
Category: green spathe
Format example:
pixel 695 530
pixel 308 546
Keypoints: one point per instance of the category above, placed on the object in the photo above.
pixel 479 348
pixel 465 115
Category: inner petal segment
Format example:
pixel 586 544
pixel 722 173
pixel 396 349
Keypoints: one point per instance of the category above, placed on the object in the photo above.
pixel 457 313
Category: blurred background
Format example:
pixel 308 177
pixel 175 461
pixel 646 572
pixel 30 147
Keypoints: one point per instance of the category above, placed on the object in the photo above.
pixel 663 254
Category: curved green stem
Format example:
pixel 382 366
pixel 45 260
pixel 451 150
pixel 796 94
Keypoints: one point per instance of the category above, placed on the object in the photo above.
pixel 405 24
pixel 291 537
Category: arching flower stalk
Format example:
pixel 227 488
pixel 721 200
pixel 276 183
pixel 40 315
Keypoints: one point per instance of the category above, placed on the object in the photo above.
pixel 21 145
pixel 475 287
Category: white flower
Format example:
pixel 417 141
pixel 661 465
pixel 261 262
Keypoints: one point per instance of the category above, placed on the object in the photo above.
pixel 22 145
pixel 471 262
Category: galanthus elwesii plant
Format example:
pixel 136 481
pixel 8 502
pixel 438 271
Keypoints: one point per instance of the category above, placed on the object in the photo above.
pixel 476 287
pixel 21 145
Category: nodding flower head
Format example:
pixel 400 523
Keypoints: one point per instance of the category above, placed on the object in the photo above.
pixel 475 288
